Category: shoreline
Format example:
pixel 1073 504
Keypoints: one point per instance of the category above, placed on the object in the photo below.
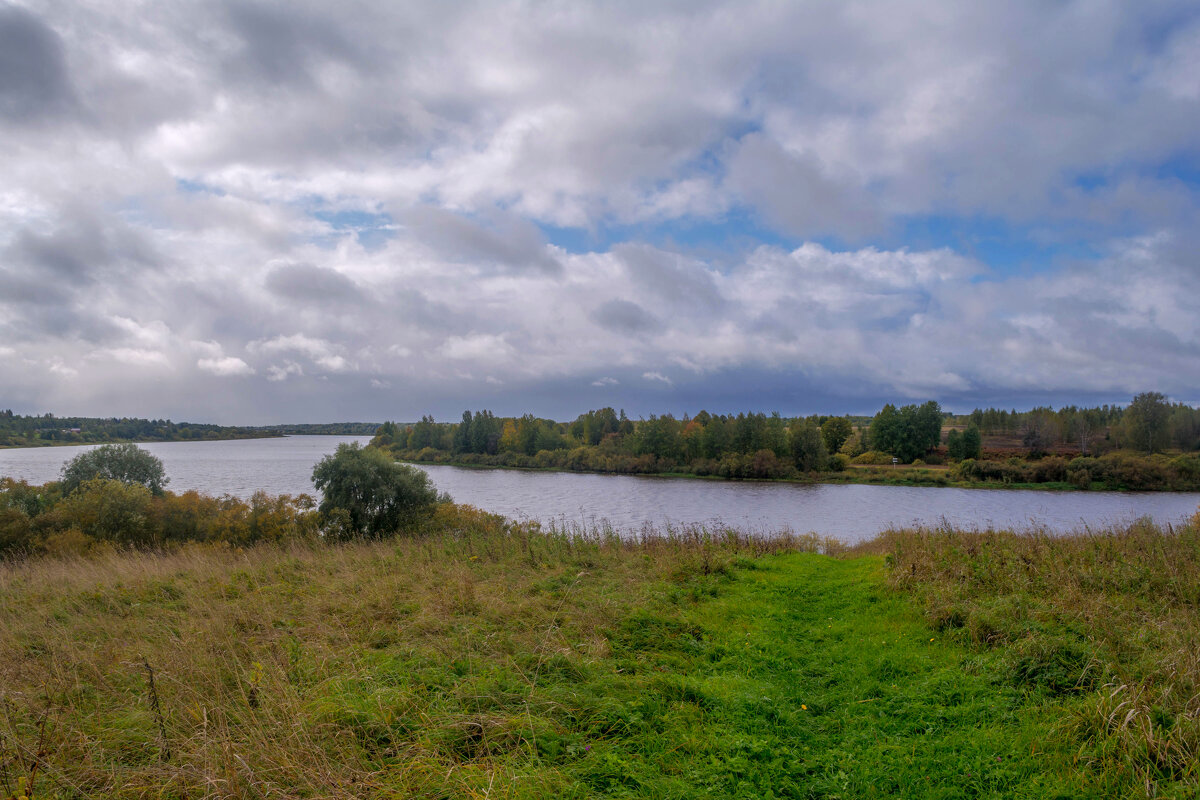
pixel 42 444
pixel 829 479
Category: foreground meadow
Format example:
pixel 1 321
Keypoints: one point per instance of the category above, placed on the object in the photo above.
pixel 479 658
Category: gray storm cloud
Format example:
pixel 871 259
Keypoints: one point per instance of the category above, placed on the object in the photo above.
pixel 34 83
pixel 264 211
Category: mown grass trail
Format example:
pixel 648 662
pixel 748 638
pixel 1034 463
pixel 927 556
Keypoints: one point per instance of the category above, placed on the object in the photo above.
pixel 809 678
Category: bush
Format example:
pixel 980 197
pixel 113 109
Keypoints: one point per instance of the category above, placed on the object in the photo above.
pixel 109 510
pixel 126 463
pixel 1050 470
pixel 379 495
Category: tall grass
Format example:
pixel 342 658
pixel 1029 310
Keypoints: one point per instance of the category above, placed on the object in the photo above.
pixel 301 669
pixel 1110 618
pixel 479 657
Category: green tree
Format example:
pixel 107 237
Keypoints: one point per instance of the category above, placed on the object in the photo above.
pixel 909 432
pixel 1039 431
pixel 927 426
pixel 972 442
pixel 375 495
pixel 424 434
pixel 126 463
pixel 1146 421
pixel 884 433
pixel 835 431
pixel 954 447
pixel 657 436
pixel 386 435
pixel 808 446
pixel 462 434
pixel 1185 427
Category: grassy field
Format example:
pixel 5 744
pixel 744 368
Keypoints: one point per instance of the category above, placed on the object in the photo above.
pixel 485 659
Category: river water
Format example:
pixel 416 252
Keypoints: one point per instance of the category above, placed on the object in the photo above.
pixel 848 512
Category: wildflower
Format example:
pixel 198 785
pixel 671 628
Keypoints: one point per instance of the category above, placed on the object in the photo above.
pixel 803 707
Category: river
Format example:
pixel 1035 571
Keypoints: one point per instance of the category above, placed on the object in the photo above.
pixel 848 512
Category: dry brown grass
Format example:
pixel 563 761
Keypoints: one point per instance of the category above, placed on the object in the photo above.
pixel 306 670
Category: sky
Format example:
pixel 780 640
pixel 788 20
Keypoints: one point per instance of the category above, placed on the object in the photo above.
pixel 256 212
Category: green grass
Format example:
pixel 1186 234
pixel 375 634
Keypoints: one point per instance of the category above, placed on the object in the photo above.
pixel 805 677
pixel 493 660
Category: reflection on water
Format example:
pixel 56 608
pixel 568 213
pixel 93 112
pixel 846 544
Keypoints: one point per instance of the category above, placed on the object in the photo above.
pixel 850 513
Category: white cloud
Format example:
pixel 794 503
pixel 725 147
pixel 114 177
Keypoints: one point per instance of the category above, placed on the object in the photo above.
pixel 207 349
pixel 226 366
pixel 321 353
pixel 57 367
pixel 657 376
pixel 281 372
pixel 481 347
pixel 395 207
pixel 134 356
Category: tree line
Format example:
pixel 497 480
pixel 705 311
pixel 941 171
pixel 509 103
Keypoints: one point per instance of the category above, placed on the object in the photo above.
pixel 1151 423
pixel 750 444
pixel 17 430
pixel 760 445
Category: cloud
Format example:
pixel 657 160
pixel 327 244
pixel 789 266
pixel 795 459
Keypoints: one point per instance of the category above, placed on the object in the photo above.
pixel 313 284
pixel 622 316
pixel 321 353
pixel 504 240
pixel 225 367
pixel 657 376
pixel 133 356
pixel 797 194
pixel 940 200
pixel 34 82
pixel 481 347
pixel 281 372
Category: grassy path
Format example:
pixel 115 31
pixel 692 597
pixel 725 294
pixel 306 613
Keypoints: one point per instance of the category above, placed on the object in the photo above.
pixel 806 678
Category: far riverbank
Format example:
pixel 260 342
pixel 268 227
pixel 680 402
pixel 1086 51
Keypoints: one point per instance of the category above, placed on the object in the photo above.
pixel 866 475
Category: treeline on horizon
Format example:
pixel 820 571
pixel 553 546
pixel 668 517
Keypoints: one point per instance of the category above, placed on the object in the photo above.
pixel 17 430
pixel 1147 444
pixel 321 429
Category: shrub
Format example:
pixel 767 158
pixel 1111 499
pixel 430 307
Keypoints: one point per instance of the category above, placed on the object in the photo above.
pixel 1050 470
pixel 379 495
pixel 126 463
pixel 109 510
